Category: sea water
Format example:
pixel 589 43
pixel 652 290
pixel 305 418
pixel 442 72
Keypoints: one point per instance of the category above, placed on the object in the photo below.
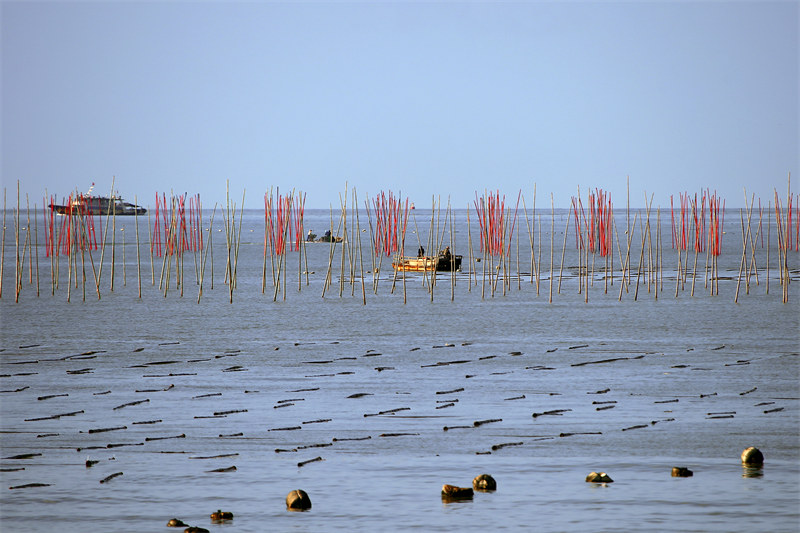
pixel 370 392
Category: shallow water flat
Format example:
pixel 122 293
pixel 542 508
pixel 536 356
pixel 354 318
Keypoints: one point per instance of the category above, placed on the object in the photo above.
pixel 372 408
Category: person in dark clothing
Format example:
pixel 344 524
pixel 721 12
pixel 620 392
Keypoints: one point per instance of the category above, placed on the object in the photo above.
pixel 421 252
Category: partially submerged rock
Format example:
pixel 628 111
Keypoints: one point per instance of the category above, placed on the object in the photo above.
pixel 681 471
pixel 298 500
pixel 599 477
pixel 454 493
pixel 220 515
pixel 484 483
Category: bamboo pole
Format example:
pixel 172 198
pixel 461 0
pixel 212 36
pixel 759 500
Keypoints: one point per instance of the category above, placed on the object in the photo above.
pixel 3 245
pixel 530 235
pixel 36 238
pixel 626 263
pixel 239 241
pixel 206 254
pixel 680 266
pixel 533 232
pixel 124 262
pixel 138 259
pixel 519 271
pixel 696 250
pixel 211 246
pixel 344 242
pixel 282 257
pixel 744 254
pixel 71 244
pixel 786 240
pixel 432 238
pixel 645 231
pixel 373 247
pixel 769 234
pixel 83 221
pixel 563 253
pixel 54 251
pixel 18 270
pixel 628 228
pixel 753 245
pixel 28 238
pixel 470 272
pixel 539 258
pixel 748 239
pixel 81 241
pixel 164 259
pixel 26 253
pixel 361 253
pixel 113 208
pixel 650 265
pixel 552 245
pixel 332 253
pixel 150 243
pixel 658 252
pixel 304 248
pixel 586 292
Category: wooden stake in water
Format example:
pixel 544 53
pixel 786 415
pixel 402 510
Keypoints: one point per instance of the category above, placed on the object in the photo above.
pixel 769 234
pixel 626 263
pixel 138 261
pixel 3 245
pixel 105 234
pixel 18 270
pixel 36 246
pixel 563 252
pixel 552 245
pixel 28 239
pixel 238 239
pixel 343 204
pixel 206 254
pixel 150 243
pixel 113 240
pixel 360 252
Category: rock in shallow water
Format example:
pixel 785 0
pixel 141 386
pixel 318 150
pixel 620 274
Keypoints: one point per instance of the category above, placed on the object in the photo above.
pixel 484 483
pixel 298 500
pixel 599 477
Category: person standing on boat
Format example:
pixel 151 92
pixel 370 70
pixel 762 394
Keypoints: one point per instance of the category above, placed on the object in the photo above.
pixel 421 252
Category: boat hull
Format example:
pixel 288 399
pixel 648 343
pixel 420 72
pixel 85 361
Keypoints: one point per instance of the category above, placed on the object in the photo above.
pixel 98 205
pixel 428 264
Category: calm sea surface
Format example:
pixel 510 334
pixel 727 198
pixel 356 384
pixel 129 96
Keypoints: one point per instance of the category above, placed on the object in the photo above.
pixel 371 407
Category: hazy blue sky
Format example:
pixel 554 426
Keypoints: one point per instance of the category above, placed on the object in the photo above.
pixel 418 98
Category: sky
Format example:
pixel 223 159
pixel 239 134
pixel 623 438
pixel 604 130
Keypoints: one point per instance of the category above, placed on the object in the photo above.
pixel 440 101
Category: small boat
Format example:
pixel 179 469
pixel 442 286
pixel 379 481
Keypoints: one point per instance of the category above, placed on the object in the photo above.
pixel 87 204
pixel 312 237
pixel 444 262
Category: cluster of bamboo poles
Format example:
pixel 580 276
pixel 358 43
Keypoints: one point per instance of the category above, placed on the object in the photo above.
pixel 283 231
pixel 697 233
pixel 173 230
